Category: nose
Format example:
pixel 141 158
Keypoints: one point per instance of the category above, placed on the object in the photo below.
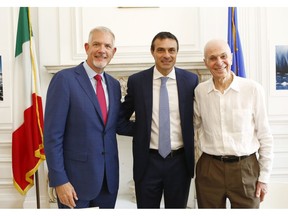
pixel 219 61
pixel 102 48
pixel 166 54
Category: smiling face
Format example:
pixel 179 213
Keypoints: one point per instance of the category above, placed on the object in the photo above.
pixel 100 50
pixel 165 53
pixel 218 58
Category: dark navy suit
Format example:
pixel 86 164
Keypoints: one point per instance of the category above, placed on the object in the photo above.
pixel 79 148
pixel 139 99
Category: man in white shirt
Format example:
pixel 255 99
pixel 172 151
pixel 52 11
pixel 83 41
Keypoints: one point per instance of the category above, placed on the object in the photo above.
pixel 233 133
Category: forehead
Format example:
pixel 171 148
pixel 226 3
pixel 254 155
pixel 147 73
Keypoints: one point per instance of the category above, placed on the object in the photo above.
pixel 165 43
pixel 101 36
pixel 217 50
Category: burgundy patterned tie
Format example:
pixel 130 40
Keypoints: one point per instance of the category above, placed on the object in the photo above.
pixel 101 97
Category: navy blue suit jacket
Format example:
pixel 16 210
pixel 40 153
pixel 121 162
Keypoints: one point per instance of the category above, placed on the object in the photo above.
pixel 139 99
pixel 78 147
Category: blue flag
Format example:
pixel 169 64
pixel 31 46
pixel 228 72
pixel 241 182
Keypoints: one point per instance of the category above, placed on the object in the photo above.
pixel 234 42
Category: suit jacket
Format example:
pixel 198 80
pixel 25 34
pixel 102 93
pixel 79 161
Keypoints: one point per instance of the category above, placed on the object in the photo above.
pixel 79 148
pixel 139 99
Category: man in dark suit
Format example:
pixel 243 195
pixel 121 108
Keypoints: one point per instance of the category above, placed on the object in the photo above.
pixel 79 133
pixel 155 175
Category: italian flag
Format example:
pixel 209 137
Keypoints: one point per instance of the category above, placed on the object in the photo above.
pixel 27 136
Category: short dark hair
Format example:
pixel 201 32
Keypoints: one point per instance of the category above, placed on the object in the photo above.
pixel 164 35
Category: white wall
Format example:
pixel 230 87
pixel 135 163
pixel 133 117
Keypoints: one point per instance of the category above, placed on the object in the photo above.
pixel 61 32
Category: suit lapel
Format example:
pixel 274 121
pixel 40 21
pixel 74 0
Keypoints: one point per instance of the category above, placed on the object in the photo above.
pixel 85 83
pixel 112 99
pixel 181 86
pixel 147 88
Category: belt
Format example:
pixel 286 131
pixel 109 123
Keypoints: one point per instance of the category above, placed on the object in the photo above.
pixel 229 158
pixel 173 153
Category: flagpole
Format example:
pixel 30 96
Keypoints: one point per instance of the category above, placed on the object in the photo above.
pixel 34 70
pixel 37 189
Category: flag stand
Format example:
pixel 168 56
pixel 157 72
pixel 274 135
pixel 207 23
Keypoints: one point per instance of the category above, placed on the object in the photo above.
pixel 37 189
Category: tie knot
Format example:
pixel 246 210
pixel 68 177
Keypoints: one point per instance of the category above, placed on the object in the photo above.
pixel 164 80
pixel 97 77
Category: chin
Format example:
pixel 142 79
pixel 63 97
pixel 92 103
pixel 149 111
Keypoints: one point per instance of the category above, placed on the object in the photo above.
pixel 100 65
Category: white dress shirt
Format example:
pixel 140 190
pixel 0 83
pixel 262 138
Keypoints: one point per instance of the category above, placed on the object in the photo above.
pixel 175 128
pixel 235 122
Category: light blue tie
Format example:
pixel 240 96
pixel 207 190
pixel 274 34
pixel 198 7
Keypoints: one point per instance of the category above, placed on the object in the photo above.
pixel 164 120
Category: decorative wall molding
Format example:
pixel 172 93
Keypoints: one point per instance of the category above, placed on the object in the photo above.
pixel 122 71
pixel 127 69
pixel 132 40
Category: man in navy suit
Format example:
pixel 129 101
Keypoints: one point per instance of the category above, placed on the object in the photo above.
pixel 153 174
pixel 80 144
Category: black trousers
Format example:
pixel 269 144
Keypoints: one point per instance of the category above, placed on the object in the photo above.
pixel 164 177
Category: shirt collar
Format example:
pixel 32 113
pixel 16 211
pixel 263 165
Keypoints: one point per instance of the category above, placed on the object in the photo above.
pixel 91 73
pixel 157 74
pixel 234 84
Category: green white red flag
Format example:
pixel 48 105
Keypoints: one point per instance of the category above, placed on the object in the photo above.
pixel 27 137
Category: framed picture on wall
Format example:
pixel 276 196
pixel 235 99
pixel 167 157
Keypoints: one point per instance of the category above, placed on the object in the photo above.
pixel 278 65
pixel 1 81
pixel 4 85
pixel 281 66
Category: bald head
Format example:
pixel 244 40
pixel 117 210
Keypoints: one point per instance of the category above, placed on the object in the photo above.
pixel 216 44
pixel 218 58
